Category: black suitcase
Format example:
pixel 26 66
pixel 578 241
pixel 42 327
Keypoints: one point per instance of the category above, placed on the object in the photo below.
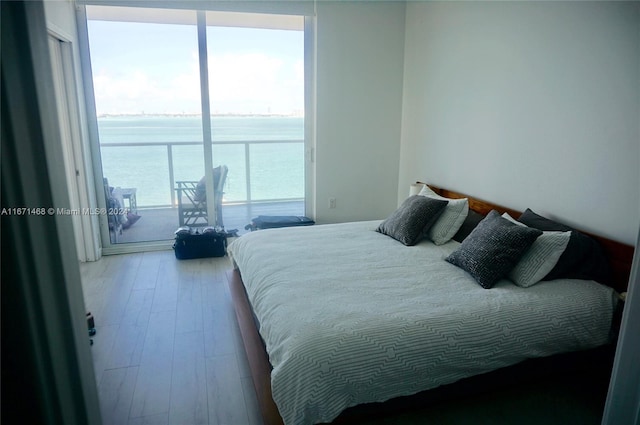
pixel 203 243
pixel 276 221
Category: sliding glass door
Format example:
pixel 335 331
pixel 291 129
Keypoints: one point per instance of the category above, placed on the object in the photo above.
pixel 150 94
pixel 256 93
pixel 147 96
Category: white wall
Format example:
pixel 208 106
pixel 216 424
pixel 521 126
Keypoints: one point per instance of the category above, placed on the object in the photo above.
pixel 527 104
pixel 60 17
pixel 359 100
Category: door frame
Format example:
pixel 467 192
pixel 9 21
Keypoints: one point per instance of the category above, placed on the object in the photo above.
pixel 78 181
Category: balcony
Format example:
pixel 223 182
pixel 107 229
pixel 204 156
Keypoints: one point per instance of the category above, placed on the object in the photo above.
pixel 260 182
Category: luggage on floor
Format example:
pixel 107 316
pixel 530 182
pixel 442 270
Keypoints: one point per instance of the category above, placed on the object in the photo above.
pixel 275 221
pixel 199 243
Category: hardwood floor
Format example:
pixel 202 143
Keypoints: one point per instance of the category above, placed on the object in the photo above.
pixel 167 348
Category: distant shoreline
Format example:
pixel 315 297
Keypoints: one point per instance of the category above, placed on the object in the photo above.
pixel 229 115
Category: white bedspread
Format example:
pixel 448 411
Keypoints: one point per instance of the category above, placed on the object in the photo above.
pixel 350 316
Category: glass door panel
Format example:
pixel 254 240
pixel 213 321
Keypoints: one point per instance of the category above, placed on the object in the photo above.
pixel 256 95
pixel 147 94
pixel 285 185
pixel 234 157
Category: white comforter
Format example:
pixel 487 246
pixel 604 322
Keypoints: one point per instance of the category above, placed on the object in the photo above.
pixel 351 316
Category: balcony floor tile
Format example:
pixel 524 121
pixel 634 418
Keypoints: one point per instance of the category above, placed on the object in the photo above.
pixel 160 223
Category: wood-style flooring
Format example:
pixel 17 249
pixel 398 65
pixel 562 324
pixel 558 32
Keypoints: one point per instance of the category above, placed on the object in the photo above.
pixel 167 348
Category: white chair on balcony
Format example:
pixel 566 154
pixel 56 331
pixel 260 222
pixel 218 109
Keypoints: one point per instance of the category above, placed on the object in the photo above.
pixel 192 199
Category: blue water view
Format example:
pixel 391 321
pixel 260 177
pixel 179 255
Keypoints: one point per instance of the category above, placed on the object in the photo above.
pixel 273 145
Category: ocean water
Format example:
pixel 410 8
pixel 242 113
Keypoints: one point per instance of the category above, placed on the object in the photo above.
pixel 276 169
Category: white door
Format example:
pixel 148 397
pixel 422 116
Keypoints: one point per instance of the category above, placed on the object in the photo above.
pixel 72 168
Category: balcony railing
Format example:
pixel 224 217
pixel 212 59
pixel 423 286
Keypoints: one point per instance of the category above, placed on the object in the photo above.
pixel 129 170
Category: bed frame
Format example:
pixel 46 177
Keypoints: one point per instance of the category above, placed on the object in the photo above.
pixel 620 256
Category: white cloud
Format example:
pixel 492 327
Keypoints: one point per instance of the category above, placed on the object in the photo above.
pixel 135 91
pixel 239 83
pixel 243 83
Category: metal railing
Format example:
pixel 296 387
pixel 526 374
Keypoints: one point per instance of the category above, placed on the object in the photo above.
pixel 170 162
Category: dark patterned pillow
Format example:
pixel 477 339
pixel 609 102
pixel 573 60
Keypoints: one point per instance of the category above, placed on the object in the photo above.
pixel 412 218
pixel 582 259
pixel 493 249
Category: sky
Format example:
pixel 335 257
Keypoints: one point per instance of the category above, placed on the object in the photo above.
pixel 142 68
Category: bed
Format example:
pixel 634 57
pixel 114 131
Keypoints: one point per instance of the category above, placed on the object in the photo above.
pixel 386 320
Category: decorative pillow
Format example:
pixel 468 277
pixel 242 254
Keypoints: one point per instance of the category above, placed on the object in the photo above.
pixel 408 222
pixel 201 190
pixel 470 222
pixel 493 249
pixel 582 259
pixel 450 220
pixel 540 258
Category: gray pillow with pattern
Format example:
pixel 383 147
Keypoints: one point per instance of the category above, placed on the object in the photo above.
pixel 412 219
pixel 492 250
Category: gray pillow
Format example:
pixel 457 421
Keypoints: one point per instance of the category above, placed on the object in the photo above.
pixel 538 261
pixel 583 258
pixel 450 220
pixel 412 219
pixel 470 222
pixel 493 249
pixel 201 189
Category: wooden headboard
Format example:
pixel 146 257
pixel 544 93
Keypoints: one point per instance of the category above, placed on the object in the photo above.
pixel 620 255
